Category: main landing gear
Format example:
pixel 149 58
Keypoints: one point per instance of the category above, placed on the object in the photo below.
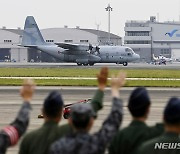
pixel 85 64
pixel 124 63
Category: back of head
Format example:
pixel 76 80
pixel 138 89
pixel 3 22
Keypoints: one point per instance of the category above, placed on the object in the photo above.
pixel 172 111
pixel 139 102
pixel 53 104
pixel 81 115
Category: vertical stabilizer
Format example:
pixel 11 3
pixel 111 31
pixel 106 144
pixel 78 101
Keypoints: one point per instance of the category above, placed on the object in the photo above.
pixel 32 35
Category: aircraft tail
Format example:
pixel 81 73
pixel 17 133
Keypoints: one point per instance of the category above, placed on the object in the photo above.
pixel 32 36
pixel 154 58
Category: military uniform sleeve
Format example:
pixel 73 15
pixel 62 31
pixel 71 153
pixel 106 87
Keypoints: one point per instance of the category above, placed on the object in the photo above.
pixel 11 134
pixel 97 101
pixel 110 127
pixel 156 130
pixel 4 142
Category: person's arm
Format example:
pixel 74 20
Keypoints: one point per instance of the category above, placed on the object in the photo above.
pixel 97 101
pixel 111 124
pixel 156 130
pixel 10 134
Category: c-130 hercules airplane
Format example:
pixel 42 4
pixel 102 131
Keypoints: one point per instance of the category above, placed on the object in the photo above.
pixel 76 53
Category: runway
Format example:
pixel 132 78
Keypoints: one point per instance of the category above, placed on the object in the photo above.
pixel 175 65
pixel 10 102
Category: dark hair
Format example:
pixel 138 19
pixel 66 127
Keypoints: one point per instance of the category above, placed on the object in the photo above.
pixel 139 112
pixel 53 105
pixel 81 123
pixel 139 102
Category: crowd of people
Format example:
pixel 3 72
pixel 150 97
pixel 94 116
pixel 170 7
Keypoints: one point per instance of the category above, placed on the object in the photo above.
pixel 74 137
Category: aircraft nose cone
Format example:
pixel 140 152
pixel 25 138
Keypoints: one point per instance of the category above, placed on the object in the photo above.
pixel 137 57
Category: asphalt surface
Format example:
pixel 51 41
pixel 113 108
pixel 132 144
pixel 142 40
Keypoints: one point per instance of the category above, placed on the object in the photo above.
pixel 10 102
pixel 175 65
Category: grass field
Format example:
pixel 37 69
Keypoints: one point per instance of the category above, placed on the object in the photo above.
pixel 87 72
pixel 54 82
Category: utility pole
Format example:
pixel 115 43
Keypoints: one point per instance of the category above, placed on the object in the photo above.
pixel 109 9
pixel 98 24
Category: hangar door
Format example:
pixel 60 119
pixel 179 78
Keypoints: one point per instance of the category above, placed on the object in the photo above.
pixel 175 54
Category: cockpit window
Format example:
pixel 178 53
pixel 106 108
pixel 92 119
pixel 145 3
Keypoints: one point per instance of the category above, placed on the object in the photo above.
pixel 129 51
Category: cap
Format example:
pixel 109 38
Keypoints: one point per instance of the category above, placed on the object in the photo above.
pixel 53 103
pixel 139 98
pixel 82 112
pixel 172 111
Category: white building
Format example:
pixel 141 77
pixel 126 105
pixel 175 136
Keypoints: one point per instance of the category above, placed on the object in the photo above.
pixel 11 38
pixel 153 37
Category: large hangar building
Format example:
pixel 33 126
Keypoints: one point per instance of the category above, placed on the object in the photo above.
pixel 152 37
pixel 11 38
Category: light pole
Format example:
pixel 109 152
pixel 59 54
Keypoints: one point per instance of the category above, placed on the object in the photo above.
pixel 109 9
pixel 98 24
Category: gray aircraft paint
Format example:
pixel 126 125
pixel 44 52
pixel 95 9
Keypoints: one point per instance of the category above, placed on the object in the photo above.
pixel 107 54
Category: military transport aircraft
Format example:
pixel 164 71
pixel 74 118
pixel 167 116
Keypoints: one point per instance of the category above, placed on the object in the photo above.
pixel 77 53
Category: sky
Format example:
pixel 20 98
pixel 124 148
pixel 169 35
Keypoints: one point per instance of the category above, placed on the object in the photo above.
pixel 86 13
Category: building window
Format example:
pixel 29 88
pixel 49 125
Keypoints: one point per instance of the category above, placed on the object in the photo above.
pixel 137 42
pixel 68 41
pixel 7 41
pixel 85 41
pixel 137 33
pixel 49 41
pixel 165 51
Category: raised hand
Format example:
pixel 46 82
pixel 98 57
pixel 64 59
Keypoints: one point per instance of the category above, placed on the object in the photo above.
pixel 27 89
pixel 102 78
pixel 117 82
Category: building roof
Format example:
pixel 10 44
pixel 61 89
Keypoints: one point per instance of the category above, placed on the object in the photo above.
pixel 16 31
pixel 101 33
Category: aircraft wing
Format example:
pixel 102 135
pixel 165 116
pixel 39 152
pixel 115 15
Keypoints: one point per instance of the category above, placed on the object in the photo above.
pixel 75 47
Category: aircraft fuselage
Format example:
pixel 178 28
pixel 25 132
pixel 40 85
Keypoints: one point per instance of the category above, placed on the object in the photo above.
pixel 107 54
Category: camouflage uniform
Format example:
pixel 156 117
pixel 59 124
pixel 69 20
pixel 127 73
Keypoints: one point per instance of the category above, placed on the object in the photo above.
pixel 10 134
pixel 84 143
pixel 39 141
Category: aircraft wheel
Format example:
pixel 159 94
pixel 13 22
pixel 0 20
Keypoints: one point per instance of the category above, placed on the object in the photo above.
pixel 91 64
pixel 66 116
pixel 125 63
pixel 79 64
pixel 85 64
